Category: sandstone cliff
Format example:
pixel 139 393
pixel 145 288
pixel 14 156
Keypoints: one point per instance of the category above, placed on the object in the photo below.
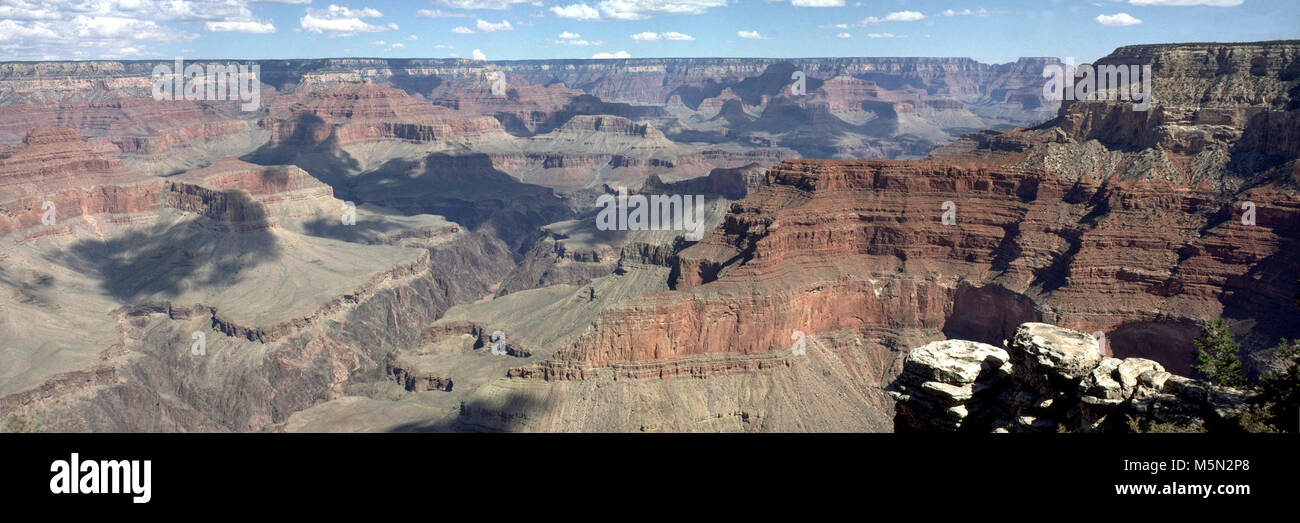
pixel 1142 245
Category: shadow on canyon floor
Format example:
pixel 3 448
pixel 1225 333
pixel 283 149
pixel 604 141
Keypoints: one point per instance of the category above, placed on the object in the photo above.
pixel 323 158
pixel 466 189
pixel 167 257
pixel 500 415
pixel 363 231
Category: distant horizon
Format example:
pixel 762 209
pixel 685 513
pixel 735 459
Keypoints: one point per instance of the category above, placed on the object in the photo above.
pixel 987 31
pixel 633 59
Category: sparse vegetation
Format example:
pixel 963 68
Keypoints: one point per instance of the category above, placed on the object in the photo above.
pixel 1218 355
pixel 1162 428
pixel 1278 404
pixel 19 424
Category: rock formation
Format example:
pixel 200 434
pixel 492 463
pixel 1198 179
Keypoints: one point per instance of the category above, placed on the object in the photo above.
pixel 1049 379
pixel 343 257
pixel 1142 245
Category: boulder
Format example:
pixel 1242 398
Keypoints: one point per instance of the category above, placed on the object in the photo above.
pixel 941 381
pixel 1050 358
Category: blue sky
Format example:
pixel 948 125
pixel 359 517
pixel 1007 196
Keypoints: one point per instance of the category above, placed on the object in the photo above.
pixel 987 30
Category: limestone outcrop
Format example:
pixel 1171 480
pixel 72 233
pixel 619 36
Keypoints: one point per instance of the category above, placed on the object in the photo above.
pixel 1051 379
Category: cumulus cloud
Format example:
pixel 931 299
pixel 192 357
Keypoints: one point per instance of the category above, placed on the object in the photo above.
pixel 620 54
pixel 654 37
pixel 12 31
pixel 342 11
pixel 118 28
pixel 968 12
pixel 752 35
pixel 338 20
pixel 341 26
pixel 439 13
pixel 576 12
pixel 247 27
pixel 817 3
pixel 478 55
pixel 569 36
pixel 844 35
pixel 579 42
pixel 484 26
pixel 108 33
pixel 21 10
pixel 480 4
pixel 1180 3
pixel 635 9
pixel 898 16
pixel 1118 20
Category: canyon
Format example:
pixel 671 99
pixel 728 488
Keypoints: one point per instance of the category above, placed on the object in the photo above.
pixel 397 245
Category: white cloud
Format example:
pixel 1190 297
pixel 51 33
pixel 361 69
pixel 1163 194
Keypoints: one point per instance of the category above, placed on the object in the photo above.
pixel 485 26
pixel 462 30
pixel 653 37
pixel 898 16
pixel 480 4
pixel 341 26
pixel 27 11
pixel 247 27
pixel 576 12
pixel 635 9
pixel 339 11
pixel 1180 3
pixel 52 31
pixel 411 38
pixel 817 3
pixel 399 45
pixel 579 42
pixel 569 36
pixel 844 35
pixel 620 54
pixel 478 55
pixel 342 21
pixel 118 28
pixel 967 12
pixel 1117 20
pixel 752 35
pixel 11 30
pixel 439 13
pixel 165 10
pixel 123 52
pixel 885 35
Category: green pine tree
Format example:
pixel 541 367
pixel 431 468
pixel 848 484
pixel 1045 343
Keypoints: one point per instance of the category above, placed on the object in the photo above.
pixel 1279 389
pixel 1217 354
pixel 1278 403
